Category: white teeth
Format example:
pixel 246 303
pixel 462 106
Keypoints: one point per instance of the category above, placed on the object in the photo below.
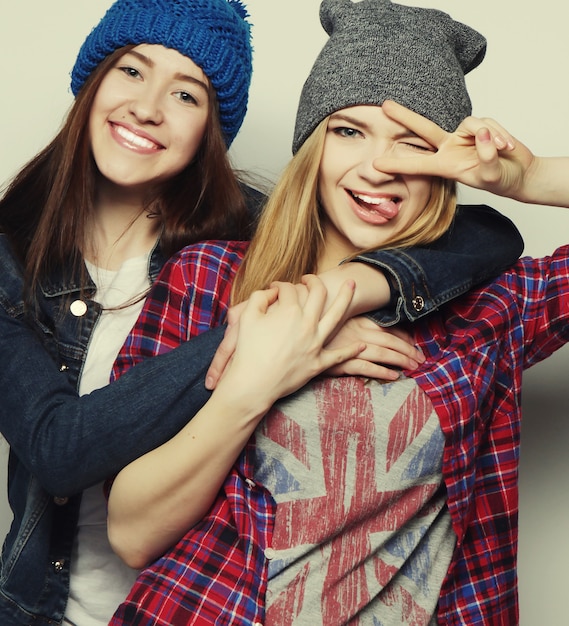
pixel 141 142
pixel 370 200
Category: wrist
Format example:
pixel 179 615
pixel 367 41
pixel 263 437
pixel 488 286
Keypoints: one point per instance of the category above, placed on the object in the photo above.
pixel 372 290
pixel 241 404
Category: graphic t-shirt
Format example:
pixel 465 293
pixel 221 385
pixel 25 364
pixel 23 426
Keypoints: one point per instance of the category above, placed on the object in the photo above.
pixel 362 532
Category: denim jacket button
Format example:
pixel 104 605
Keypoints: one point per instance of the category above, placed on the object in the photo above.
pixel 60 501
pixel 78 308
pixel 418 303
pixel 58 565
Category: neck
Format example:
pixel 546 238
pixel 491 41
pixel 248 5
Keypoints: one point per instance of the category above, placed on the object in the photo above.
pixel 121 228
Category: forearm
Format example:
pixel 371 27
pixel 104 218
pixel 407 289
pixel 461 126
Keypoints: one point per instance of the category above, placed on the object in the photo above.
pixel 404 284
pixel 280 347
pixel 546 182
pixel 156 499
pixel 480 244
pixel 72 442
pixel 372 290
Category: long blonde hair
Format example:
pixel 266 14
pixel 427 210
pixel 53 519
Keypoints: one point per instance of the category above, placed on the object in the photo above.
pixel 289 237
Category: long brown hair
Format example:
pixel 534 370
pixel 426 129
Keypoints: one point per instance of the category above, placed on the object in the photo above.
pixel 47 206
pixel 290 237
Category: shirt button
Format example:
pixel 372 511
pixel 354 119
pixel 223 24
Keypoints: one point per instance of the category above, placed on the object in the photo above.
pixel 78 308
pixel 60 501
pixel 250 483
pixel 58 565
pixel 418 303
pixel 270 553
pixel 258 624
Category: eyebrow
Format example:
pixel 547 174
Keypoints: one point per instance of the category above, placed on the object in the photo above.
pixel 356 122
pixel 342 117
pixel 177 76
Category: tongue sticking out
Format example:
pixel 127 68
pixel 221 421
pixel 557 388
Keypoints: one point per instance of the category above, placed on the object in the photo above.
pixel 381 208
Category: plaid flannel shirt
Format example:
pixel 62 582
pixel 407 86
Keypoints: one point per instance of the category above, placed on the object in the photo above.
pixel 476 348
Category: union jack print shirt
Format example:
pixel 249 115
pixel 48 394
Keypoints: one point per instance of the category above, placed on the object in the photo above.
pixel 362 532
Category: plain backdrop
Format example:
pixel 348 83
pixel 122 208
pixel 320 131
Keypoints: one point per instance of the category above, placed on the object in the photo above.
pixel 522 83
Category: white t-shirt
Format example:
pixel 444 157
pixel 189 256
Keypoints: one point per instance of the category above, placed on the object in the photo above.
pixel 100 581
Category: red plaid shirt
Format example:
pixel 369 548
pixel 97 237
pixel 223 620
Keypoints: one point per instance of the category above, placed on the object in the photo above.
pixel 476 347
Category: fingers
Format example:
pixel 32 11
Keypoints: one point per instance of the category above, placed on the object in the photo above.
pixel 427 165
pixel 313 303
pixel 365 369
pixel 222 357
pixel 381 342
pixel 421 126
pixel 377 362
pixel 399 355
pixel 333 317
pixel 328 322
pixel 436 136
pixel 226 349
pixel 500 137
pixel 387 350
pixel 260 301
pixel 281 338
pixel 489 157
pixel 383 348
pixel 470 155
pixel 301 291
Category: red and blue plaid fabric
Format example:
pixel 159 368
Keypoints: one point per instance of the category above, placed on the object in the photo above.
pixel 476 347
pixel 217 572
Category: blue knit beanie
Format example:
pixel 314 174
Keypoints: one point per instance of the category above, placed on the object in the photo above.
pixel 379 50
pixel 214 34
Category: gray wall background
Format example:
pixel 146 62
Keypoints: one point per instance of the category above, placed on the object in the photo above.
pixel 522 83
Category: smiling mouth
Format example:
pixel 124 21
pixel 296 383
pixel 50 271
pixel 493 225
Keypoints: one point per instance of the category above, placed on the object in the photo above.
pixel 386 206
pixel 135 140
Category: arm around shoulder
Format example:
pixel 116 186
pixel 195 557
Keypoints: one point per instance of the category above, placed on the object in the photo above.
pixel 480 244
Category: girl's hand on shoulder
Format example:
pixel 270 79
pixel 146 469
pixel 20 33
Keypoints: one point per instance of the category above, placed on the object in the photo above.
pixel 480 153
pixel 387 351
pixel 282 337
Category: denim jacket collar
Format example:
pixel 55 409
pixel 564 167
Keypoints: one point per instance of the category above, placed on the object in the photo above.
pixel 59 284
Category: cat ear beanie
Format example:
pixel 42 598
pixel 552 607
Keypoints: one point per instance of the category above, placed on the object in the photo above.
pixel 380 51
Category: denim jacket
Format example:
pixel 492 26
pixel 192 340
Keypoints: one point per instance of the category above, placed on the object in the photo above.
pixel 480 244
pixel 61 444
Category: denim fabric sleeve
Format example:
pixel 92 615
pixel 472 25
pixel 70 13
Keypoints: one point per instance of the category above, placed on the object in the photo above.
pixel 72 442
pixel 480 244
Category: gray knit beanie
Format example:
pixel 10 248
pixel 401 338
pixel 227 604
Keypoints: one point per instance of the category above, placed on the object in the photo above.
pixel 380 51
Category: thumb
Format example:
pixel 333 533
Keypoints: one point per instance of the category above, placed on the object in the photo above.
pixel 222 356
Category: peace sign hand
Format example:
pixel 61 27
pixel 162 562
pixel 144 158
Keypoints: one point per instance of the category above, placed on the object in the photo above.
pixel 480 153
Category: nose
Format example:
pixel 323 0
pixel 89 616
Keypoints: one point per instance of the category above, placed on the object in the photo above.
pixel 367 169
pixel 146 107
